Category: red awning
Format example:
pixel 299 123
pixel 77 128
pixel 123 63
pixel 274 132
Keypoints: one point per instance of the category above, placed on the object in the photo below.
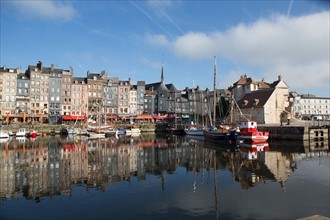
pixel 112 117
pixel 72 117
pixel 157 117
pixel 144 117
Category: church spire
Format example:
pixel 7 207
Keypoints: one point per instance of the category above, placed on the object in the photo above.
pixel 162 74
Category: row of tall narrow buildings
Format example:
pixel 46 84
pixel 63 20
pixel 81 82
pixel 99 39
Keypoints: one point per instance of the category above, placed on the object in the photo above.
pixel 52 93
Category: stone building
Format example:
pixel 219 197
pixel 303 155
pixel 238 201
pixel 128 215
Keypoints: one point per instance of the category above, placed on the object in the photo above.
pixel 79 96
pixel 39 85
pixel 266 105
pixel 124 87
pixel 140 91
pixel 133 100
pixel 95 92
pixel 310 107
pixel 55 96
pixel 9 84
pixel 66 91
pixel 112 96
pixel 23 94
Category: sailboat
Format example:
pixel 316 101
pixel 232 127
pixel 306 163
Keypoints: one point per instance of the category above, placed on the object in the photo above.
pixel 97 131
pixel 224 133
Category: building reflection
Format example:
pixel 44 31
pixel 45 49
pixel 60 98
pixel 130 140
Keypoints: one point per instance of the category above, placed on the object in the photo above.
pixel 48 166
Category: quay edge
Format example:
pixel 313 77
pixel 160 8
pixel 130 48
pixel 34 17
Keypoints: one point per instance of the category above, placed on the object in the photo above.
pixel 296 132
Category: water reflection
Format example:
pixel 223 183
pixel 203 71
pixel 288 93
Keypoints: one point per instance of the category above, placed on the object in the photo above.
pixel 48 166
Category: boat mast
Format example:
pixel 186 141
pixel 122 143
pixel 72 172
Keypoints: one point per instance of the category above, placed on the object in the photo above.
pixel 195 118
pixel 214 90
pixel 202 108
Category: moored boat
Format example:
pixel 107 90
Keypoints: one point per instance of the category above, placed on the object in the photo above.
pixel 21 132
pixel 32 134
pixel 193 131
pixel 4 134
pixel 249 132
pixel 120 132
pixel 93 135
pixel 133 131
pixel 220 135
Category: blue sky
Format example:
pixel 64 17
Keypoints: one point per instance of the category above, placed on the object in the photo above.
pixel 131 39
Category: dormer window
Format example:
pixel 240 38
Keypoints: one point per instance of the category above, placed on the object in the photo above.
pixel 256 101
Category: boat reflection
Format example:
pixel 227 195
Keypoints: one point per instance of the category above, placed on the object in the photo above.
pixel 252 151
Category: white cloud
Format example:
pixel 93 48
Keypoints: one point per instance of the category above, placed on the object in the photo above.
pixel 296 47
pixel 46 9
pixel 158 40
pixel 195 45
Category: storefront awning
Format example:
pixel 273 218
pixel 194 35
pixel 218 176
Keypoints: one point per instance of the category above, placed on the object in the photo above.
pixel 144 117
pixel 157 117
pixel 72 117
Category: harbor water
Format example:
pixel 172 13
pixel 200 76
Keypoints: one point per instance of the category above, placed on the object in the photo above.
pixel 161 177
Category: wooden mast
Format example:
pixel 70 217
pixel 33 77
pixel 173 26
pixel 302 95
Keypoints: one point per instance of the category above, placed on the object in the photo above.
pixel 202 108
pixel 195 117
pixel 214 91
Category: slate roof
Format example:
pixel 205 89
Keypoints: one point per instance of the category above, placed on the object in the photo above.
pixel 256 99
pixel 156 86
pixel 22 76
pixel 171 87
pixel 92 75
pixel 79 79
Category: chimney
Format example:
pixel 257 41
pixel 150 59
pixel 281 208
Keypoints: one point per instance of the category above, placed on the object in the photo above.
pixel 4 67
pixel 71 70
pixel 52 67
pixel 279 77
pixel 39 65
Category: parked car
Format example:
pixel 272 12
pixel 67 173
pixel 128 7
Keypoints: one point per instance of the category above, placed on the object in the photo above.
pixel 317 117
pixel 307 118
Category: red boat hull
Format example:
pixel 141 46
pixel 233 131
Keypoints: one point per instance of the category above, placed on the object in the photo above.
pixel 257 136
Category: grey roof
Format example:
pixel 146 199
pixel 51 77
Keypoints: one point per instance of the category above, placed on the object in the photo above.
pixel 171 87
pixel 156 86
pixel 92 75
pixel 79 79
pixel 22 76
pixel 256 99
